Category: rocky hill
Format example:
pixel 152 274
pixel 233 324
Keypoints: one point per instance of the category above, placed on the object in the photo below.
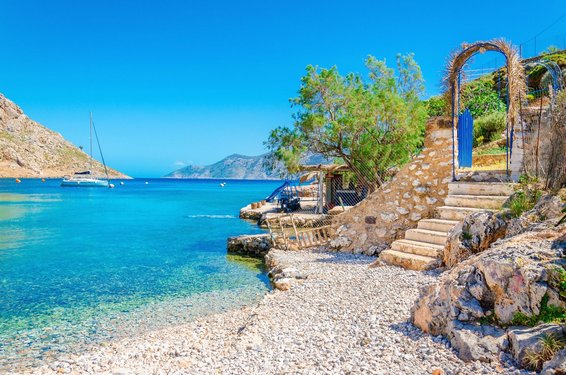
pixel 29 149
pixel 235 166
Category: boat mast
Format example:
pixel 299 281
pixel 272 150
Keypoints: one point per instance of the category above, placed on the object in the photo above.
pixel 90 129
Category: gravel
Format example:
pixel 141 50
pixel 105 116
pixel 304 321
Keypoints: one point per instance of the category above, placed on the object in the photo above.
pixel 341 317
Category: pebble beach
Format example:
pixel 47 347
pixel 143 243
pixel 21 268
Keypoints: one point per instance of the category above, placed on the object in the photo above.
pixel 340 317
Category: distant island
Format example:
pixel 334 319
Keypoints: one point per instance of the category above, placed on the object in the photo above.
pixel 238 167
pixel 29 149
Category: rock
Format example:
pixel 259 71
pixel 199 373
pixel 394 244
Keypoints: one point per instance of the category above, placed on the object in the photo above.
pixel 509 278
pixel 282 284
pixel 556 366
pixel 340 242
pixel 548 207
pixel 475 342
pixel 252 245
pixel 475 234
pixel 523 339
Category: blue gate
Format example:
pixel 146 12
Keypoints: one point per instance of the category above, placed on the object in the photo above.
pixel 465 138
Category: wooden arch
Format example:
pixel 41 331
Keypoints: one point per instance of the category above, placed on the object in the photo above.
pixel 515 82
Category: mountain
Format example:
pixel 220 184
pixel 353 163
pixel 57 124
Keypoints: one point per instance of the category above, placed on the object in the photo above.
pixel 237 167
pixel 29 149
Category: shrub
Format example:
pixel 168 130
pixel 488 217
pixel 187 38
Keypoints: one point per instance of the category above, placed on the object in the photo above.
pixel 550 346
pixel 481 99
pixel 436 106
pixel 488 128
pixel 526 196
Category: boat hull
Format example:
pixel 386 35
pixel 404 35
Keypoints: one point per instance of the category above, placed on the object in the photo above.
pixel 84 183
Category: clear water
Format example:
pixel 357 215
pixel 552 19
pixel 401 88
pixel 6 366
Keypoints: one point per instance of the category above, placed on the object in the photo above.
pixel 79 266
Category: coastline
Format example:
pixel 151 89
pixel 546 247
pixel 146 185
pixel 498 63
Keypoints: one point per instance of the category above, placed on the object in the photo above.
pixel 322 324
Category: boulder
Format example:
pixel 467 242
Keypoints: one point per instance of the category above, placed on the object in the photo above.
pixel 556 366
pixel 524 339
pixel 475 342
pixel 475 234
pixel 509 278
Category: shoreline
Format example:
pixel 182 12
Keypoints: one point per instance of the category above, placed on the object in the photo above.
pixel 322 324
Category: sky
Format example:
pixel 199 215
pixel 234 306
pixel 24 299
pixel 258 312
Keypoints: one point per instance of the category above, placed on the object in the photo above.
pixel 172 83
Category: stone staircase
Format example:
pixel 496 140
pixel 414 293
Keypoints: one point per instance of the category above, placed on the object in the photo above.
pixel 422 248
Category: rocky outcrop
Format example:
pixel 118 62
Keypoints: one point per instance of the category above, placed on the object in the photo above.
pixel 548 206
pixel 414 193
pixel 475 234
pixel 511 280
pixel 256 245
pixel 525 339
pixel 28 149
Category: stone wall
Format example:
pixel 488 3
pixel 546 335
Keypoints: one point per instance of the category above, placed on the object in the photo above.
pixel 414 193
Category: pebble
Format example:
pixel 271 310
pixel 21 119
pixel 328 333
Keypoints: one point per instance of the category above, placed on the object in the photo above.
pixel 344 318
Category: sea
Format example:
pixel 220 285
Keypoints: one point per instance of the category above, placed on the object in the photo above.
pixel 83 266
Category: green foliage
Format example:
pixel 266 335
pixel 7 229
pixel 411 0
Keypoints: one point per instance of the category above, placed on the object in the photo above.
pixel 488 128
pixel 436 106
pixel 557 279
pixel 491 151
pixel 481 98
pixel 466 236
pixel 370 124
pixel 527 195
pixel 550 49
pixel 550 345
pixel 548 314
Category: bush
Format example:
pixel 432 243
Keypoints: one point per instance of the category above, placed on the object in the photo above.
pixel 436 106
pixel 481 99
pixel 488 128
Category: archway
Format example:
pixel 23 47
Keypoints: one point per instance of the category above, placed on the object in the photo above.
pixel 515 85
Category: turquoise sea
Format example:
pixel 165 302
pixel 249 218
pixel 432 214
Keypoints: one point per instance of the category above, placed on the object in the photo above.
pixel 81 266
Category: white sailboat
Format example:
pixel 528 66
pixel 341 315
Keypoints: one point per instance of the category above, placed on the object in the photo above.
pixel 86 178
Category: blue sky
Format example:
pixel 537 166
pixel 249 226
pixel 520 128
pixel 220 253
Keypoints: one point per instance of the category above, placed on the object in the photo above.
pixel 177 82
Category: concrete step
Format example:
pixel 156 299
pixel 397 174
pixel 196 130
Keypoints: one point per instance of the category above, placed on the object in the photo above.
pixel 479 188
pixel 438 225
pixel 419 248
pixel 428 236
pixel 409 261
pixel 488 202
pixel 455 213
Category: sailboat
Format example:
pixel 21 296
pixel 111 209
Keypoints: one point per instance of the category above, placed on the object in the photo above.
pixel 86 178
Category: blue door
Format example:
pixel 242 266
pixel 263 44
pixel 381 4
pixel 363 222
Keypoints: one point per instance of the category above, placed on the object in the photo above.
pixel 465 138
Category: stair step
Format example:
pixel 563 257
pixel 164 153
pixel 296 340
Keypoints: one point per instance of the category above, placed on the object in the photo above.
pixel 439 225
pixel 455 213
pixel 418 248
pixel 489 202
pixel 479 188
pixel 409 261
pixel 425 235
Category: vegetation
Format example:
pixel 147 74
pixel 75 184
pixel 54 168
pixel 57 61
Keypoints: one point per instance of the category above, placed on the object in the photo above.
pixel 370 124
pixel 526 196
pixel 548 314
pixel 488 128
pixel 481 97
pixel 550 345
pixel 557 279
pixel 436 106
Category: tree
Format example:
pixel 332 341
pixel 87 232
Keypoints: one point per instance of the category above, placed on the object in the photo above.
pixel 369 123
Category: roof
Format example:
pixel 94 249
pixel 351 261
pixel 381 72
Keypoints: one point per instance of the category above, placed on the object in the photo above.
pixel 325 168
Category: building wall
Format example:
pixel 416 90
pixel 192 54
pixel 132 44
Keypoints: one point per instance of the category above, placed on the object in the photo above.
pixel 414 193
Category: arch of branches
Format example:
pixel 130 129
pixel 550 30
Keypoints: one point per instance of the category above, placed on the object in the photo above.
pixel 515 84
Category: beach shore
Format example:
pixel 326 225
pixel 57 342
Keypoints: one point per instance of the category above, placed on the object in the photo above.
pixel 341 317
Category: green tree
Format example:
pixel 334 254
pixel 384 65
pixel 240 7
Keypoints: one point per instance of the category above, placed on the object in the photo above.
pixel 369 123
